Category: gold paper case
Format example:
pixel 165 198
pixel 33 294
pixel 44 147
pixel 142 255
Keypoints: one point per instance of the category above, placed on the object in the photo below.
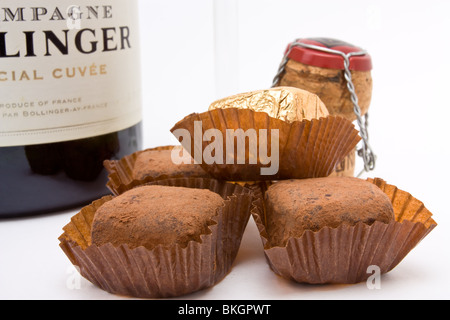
pixel 162 272
pixel 342 255
pixel 307 149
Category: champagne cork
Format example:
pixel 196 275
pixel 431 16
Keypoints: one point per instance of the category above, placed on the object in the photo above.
pixel 322 73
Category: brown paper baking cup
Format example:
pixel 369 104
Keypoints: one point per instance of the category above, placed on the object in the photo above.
pixel 120 178
pixel 307 149
pixel 163 271
pixel 120 172
pixel 342 255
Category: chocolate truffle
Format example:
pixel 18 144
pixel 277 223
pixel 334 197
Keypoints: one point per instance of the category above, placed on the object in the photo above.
pixel 154 215
pixel 295 206
pixel 156 163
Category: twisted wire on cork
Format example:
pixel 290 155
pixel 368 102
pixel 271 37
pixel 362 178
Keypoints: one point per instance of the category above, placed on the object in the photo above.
pixel 366 151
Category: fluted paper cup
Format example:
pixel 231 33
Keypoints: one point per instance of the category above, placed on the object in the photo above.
pixel 121 179
pixel 301 149
pixel 121 172
pixel 343 254
pixel 164 271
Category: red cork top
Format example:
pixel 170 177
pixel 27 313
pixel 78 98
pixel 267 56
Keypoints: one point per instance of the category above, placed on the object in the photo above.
pixel 328 60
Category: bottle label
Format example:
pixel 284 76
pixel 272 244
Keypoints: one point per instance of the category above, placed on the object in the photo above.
pixel 68 71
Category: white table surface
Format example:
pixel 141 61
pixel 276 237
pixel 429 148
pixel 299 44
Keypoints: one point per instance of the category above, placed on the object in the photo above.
pixel 32 266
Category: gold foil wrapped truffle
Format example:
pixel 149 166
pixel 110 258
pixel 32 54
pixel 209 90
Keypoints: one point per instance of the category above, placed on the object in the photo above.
pixel 289 124
pixel 285 103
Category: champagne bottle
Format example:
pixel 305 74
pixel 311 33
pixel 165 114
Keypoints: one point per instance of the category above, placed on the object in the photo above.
pixel 70 98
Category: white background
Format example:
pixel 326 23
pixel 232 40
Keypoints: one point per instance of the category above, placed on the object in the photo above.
pixel 409 131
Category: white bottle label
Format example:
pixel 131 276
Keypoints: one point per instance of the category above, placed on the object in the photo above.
pixel 68 69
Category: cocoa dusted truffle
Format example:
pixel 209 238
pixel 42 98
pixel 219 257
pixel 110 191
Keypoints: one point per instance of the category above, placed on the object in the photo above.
pixel 149 216
pixel 155 163
pixel 295 206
